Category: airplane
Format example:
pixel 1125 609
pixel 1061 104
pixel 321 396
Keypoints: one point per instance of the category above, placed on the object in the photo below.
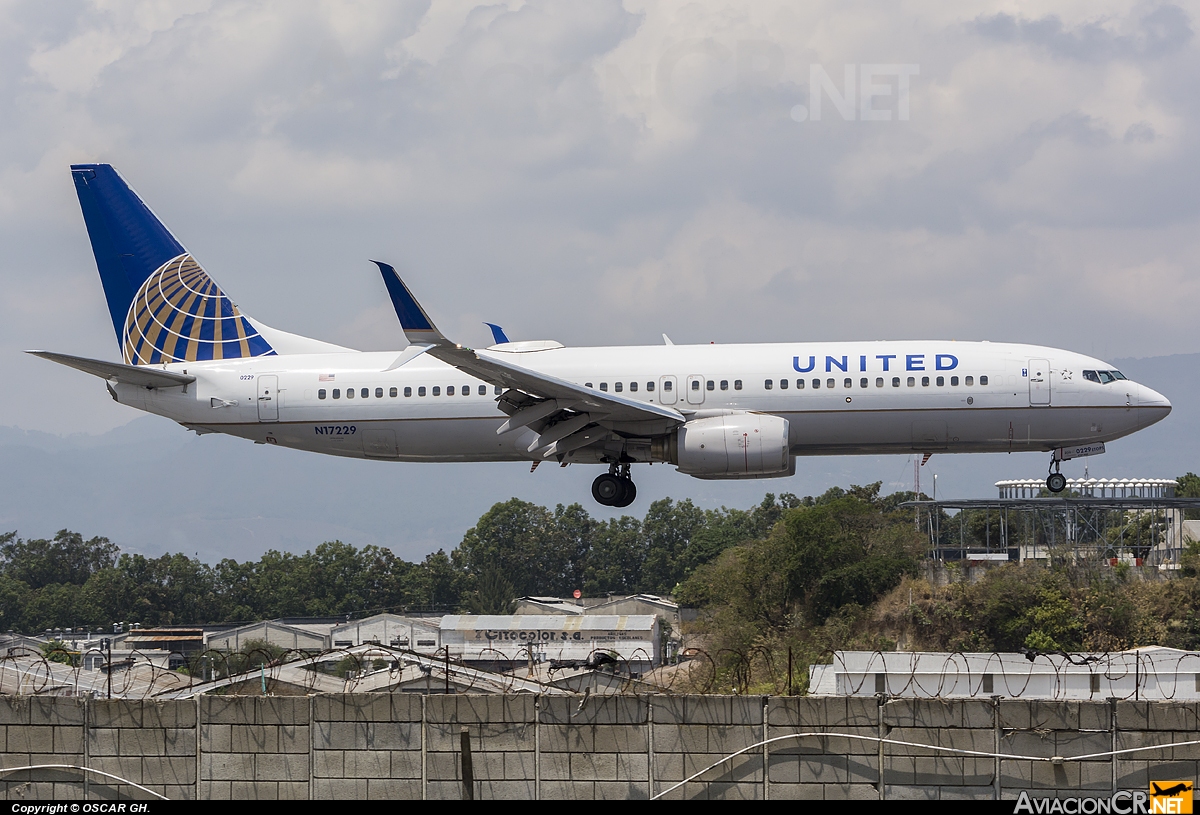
pixel 1171 791
pixel 715 411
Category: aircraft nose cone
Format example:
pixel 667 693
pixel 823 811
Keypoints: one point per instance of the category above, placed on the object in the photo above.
pixel 1152 406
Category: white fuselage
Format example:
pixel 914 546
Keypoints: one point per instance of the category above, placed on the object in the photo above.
pixel 868 397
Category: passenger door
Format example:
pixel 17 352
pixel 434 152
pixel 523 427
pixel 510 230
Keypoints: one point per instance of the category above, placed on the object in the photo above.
pixel 1039 382
pixel 695 389
pixel 268 398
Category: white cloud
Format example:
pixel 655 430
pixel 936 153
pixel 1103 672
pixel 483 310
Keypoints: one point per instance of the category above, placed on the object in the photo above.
pixel 523 158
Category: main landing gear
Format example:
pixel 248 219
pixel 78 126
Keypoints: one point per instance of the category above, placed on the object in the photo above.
pixel 1056 482
pixel 615 488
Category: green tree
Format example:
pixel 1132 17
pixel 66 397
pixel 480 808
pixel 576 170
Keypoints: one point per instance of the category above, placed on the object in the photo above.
pixel 68 558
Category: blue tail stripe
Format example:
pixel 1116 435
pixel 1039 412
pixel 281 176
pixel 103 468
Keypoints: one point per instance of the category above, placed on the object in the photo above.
pixel 129 242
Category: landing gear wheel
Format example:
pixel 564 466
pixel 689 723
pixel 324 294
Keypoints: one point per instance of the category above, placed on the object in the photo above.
pixel 608 489
pixel 629 495
pixel 1056 482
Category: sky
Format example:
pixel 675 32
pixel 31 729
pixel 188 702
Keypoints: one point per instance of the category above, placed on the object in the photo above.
pixel 602 173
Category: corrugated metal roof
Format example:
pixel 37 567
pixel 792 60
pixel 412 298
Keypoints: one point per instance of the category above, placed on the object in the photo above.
pixel 516 622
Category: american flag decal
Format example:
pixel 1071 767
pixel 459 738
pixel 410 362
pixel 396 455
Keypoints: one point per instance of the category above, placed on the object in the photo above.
pixel 325 377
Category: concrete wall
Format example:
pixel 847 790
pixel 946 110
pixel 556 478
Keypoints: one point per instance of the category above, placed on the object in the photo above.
pixel 379 746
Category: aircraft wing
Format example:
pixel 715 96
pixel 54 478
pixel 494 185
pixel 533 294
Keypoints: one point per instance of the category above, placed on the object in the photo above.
pixel 140 375
pixel 490 367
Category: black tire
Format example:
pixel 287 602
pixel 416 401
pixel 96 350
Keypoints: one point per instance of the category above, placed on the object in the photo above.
pixel 630 494
pixel 608 489
pixel 1056 482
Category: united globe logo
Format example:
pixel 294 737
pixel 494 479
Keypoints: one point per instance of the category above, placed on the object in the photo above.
pixel 181 315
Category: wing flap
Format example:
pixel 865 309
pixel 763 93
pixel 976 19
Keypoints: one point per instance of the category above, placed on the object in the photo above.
pixel 141 375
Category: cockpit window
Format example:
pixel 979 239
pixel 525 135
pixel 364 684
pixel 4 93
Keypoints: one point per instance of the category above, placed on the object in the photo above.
pixel 1103 377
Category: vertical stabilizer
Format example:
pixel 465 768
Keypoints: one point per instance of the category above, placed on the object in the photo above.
pixel 164 306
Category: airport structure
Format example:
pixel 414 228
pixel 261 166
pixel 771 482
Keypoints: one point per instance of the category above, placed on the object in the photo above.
pixel 1139 521
pixel 534 638
pixel 1152 673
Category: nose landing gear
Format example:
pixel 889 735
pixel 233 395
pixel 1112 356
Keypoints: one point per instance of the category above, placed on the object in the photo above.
pixel 614 488
pixel 1056 482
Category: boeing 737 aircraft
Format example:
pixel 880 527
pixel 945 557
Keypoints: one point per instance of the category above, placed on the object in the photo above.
pixel 712 411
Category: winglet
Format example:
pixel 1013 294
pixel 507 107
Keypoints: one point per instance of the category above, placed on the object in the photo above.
pixel 498 334
pixel 418 328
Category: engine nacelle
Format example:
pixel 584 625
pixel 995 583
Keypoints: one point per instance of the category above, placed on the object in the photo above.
pixel 735 445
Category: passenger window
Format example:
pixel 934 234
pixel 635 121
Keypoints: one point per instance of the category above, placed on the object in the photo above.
pixel 924 382
pixel 895 381
pixel 421 391
pixel 393 393
pixel 449 390
pixel 407 392
pixel 588 385
pixel 650 387
pixel 816 384
pixel 983 380
pixel 437 390
pixel 800 384
pixel 466 390
pixel 941 381
pixel 783 383
pixel 364 393
pixel 499 390
pixel 769 384
pixel 349 393
pixel 829 383
pixel 970 380
pixel 321 393
pixel 618 387
pixel 337 393
pixel 737 384
pixel 862 383
pixel 695 384
pixel 667 385
pixel 709 385
pixel 379 393
pixel 604 387
pixel 912 381
pixel 847 382
pixel 724 384
pixel 879 381
pixel 633 387
pixel 483 390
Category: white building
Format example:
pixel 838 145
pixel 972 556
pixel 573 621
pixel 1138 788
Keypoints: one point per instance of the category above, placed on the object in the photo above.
pixel 634 639
pixel 274 632
pixel 1144 673
pixel 393 630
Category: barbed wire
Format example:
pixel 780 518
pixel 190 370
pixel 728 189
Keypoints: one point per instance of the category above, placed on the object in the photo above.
pixel 1163 674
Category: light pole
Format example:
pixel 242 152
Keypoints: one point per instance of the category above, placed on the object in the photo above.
pixel 106 645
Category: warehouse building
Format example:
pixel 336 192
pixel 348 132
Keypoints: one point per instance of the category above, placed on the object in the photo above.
pixel 633 640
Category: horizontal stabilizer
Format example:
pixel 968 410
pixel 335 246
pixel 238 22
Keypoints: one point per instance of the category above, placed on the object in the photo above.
pixel 139 375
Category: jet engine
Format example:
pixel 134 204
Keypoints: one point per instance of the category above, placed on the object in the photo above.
pixel 733 445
